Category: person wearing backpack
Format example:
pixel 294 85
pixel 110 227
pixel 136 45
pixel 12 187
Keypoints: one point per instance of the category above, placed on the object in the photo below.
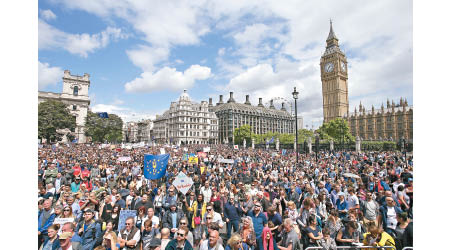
pixel 89 230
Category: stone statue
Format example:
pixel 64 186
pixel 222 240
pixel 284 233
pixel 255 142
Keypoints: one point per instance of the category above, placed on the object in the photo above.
pixel 309 145
pixel 277 144
pixel 253 143
pixel 331 145
pixel 295 144
pixel 358 144
pixel 245 143
pixel 267 143
pixel 65 132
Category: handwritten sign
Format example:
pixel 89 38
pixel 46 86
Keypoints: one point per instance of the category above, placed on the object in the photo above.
pixel 183 183
pixel 202 154
pixel 62 221
pixel 230 161
pixel 124 158
pixel 124 214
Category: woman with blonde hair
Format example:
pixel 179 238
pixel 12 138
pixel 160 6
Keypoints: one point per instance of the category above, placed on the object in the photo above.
pixel 235 243
pixel 110 241
pixel 377 237
pixel 247 232
pixel 67 212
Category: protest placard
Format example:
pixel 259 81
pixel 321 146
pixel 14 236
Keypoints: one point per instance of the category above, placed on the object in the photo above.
pixel 183 183
pixel 124 214
pixel 230 161
pixel 62 221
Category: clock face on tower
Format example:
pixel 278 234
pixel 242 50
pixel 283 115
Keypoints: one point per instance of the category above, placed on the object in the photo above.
pixel 343 67
pixel 329 67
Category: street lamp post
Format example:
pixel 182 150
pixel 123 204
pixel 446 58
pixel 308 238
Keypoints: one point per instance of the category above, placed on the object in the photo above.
pixel 317 145
pixel 295 95
pixel 404 150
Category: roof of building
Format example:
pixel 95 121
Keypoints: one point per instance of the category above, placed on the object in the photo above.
pixel 251 109
pixel 379 111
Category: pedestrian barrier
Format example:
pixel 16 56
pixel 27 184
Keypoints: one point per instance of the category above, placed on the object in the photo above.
pixel 354 247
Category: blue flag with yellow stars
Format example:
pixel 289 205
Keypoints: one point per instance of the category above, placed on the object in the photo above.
pixel 155 166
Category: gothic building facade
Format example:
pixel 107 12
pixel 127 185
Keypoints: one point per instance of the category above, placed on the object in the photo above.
pixel 75 94
pixel 391 123
pixel 232 115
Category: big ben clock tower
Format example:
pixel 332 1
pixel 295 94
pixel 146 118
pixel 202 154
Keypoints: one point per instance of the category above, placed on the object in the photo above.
pixel 333 69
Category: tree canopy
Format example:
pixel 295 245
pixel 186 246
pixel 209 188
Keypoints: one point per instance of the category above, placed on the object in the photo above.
pixel 101 129
pixel 54 115
pixel 337 130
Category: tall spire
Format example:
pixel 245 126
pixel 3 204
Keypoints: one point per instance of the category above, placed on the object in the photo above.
pixel 331 35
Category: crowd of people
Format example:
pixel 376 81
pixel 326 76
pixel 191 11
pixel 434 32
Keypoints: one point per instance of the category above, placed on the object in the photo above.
pixel 264 200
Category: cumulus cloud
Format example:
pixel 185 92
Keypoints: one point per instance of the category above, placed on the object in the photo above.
pixel 48 75
pixel 146 57
pixel 127 114
pixel 168 78
pixel 78 44
pixel 48 15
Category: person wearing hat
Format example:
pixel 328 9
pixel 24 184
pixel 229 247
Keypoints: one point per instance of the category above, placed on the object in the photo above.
pixel 89 230
pixel 65 240
pixel 172 218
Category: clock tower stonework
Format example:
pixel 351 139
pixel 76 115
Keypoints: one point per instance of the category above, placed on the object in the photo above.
pixel 333 73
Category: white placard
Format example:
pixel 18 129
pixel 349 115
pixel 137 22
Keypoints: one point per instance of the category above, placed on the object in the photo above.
pixel 61 222
pixel 183 183
pixel 124 158
pixel 206 149
pixel 162 150
pixel 230 161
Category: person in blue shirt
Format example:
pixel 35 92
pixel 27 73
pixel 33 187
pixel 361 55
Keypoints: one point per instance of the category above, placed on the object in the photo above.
pixel 259 222
pixel 232 212
pixel 341 206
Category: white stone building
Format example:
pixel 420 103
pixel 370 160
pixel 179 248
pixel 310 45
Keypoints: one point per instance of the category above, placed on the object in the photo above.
pixel 130 132
pixel 186 122
pixel 75 94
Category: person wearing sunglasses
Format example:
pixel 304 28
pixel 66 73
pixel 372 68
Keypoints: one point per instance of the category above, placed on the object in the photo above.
pixel 189 235
pixel 235 243
pixel 216 217
pixel 130 236
pixel 180 242
pixel 259 222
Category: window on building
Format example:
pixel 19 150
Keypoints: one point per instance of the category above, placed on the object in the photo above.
pixel 74 107
pixel 75 90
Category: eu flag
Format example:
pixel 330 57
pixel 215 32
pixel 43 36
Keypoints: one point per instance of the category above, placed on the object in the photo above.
pixel 155 166
pixel 103 115
pixel 271 140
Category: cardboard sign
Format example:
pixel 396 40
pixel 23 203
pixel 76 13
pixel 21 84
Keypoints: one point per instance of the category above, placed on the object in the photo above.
pixel 61 222
pixel 183 183
pixel 230 161
pixel 124 158
pixel 124 214
pixel 202 154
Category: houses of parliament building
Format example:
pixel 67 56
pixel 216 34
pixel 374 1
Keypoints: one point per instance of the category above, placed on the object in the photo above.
pixel 391 123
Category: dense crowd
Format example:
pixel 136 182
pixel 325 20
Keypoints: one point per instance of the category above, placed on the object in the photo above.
pixel 261 201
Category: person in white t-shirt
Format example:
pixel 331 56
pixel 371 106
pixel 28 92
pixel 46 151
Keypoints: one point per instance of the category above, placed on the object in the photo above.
pixel 206 191
pixel 151 215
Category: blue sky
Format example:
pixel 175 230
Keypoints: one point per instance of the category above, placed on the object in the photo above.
pixel 142 54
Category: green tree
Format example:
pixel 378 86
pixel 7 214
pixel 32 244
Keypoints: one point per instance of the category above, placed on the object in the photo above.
pixel 303 135
pixel 337 130
pixel 101 129
pixel 243 133
pixel 287 138
pixel 54 115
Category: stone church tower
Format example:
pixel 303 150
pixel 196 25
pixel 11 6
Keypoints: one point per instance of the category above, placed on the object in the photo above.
pixel 333 69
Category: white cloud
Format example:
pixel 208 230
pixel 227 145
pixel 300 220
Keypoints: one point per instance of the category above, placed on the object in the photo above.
pixel 146 57
pixel 48 15
pixel 127 114
pixel 168 78
pixel 48 75
pixel 78 44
